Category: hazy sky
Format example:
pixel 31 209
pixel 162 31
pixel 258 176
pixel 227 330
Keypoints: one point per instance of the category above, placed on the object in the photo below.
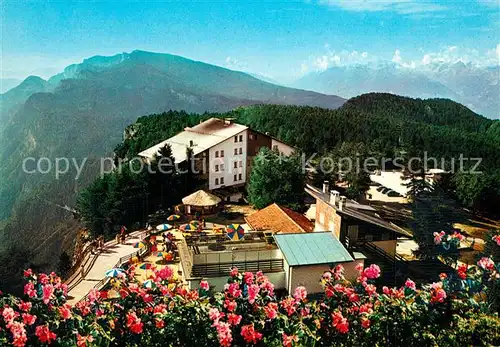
pixel 278 39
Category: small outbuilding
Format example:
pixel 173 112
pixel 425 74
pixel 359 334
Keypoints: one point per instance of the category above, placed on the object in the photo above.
pixel 201 202
pixel 308 255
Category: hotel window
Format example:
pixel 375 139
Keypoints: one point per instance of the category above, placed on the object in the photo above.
pixel 221 167
pixel 217 154
pixel 216 181
pixel 216 168
pixel 240 177
pixel 241 138
pixel 275 147
pixel 222 180
pixel 241 164
pixel 235 178
pixel 241 150
pixel 236 138
pixel 235 164
pixel 222 153
pixel 250 136
pixel 236 151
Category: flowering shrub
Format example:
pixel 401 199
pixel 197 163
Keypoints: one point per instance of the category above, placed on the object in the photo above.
pixel 451 312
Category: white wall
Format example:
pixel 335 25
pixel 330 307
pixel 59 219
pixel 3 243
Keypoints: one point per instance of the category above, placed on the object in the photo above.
pixel 282 147
pixel 228 160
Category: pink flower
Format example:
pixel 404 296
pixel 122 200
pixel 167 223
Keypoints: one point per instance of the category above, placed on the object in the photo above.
pixel 253 291
pixel 18 331
pixel 29 289
pixel 250 335
pixel 25 306
pixel 47 291
pixel 372 272
pixel 410 284
pixel 204 285
pixel 271 310
pixel 224 334
pixel 300 293
pixel 65 311
pixel 438 237
pixel 370 289
pixel 165 274
pixel 233 319
pixel 289 305
pixel 486 263
pixel 327 275
pixel 233 289
pixel 28 273
pixel 234 272
pixel 496 238
pixel 214 314
pixel 44 334
pixel 359 268
pixel 248 277
pixel 289 339
pixel 8 315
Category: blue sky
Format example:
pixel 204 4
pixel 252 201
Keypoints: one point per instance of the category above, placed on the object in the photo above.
pixel 281 40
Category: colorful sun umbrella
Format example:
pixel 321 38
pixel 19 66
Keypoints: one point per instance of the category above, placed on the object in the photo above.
pixel 188 227
pixel 174 217
pixel 159 254
pixel 163 227
pixel 149 284
pixel 139 244
pixel 146 266
pixel 195 223
pixel 235 232
pixel 115 272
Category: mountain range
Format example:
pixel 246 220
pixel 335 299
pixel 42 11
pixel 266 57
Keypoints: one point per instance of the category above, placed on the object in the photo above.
pixel 475 87
pixel 80 114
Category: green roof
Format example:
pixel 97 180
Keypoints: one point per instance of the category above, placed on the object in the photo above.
pixel 312 248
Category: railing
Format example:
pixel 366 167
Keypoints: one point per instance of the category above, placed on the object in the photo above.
pixel 103 282
pixel 223 269
pixel 383 254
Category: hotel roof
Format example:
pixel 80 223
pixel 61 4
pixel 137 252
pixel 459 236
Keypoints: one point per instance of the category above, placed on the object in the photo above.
pixel 279 219
pixel 202 137
pixel 312 248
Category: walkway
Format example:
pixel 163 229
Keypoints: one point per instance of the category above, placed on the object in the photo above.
pixel 101 263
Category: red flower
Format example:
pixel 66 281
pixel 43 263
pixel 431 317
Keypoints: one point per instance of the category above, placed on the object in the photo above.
pixel 233 319
pixel 44 334
pixel 253 291
pixel 234 272
pixel 134 323
pixel 230 305
pixel 288 339
pixel 250 335
pixel 340 322
pixel 271 310
pixel 365 322
pixel 28 319
pixel 159 323
pixel 81 341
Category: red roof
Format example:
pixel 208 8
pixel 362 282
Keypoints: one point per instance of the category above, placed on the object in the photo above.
pixel 279 219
